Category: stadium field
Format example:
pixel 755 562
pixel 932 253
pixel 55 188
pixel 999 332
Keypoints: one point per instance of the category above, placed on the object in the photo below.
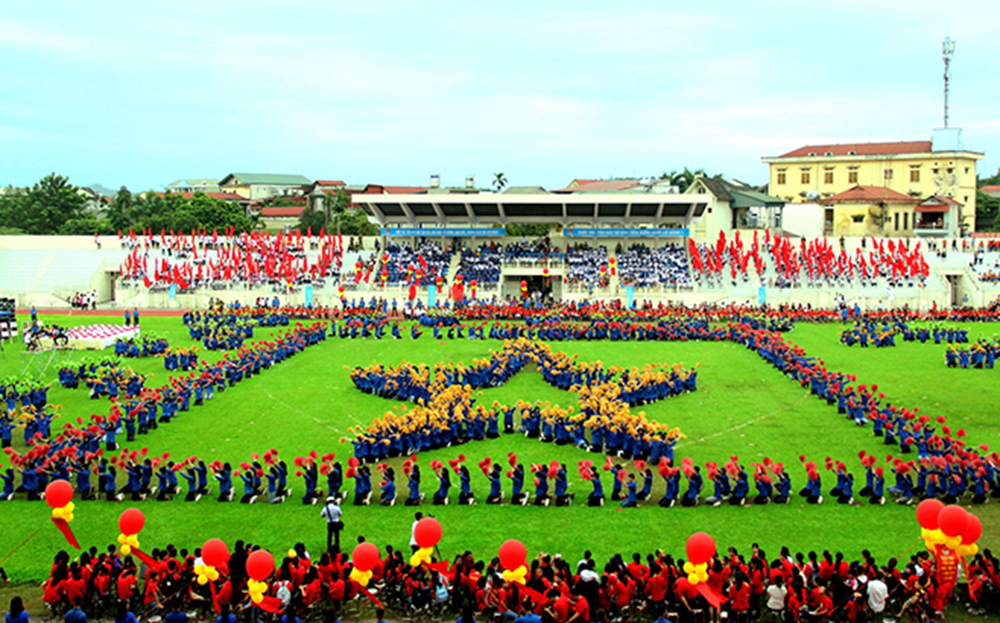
pixel 742 407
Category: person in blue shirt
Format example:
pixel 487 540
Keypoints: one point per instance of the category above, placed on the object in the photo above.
pixel 17 613
pixel 444 484
pixel 75 614
pixel 191 478
pixel 541 487
pixel 415 497
pixel 8 478
pixel 562 494
pixel 517 486
pixel 630 499
pixel 124 615
pixel 596 497
pixel 225 478
pixel 465 495
pixel 496 493
pixel 249 487
pixel 389 488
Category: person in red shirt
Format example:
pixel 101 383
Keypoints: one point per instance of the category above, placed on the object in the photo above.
pixel 739 598
pixel 559 610
pixel 581 611
pixel 76 586
pixel 823 609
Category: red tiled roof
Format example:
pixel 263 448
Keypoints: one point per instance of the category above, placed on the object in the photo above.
pixel 869 194
pixel 403 190
pixel 861 149
pixel 282 211
pixel 937 199
pixel 600 186
pixel 330 183
pixel 990 189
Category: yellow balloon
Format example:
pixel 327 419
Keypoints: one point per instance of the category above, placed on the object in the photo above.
pixel 68 517
pixel 126 550
pixel 689 568
pixel 692 578
pixel 199 569
pixel 202 580
pixel 121 539
pixel 291 553
pixel 70 507
pixel 213 575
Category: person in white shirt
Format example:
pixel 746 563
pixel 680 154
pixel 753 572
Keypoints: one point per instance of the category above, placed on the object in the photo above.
pixel 878 593
pixel 776 593
pixel 413 531
pixel 334 523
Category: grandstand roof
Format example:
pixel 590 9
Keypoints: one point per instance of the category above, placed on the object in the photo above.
pixel 620 210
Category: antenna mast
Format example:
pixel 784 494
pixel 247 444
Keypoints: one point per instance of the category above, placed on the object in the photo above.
pixel 947 50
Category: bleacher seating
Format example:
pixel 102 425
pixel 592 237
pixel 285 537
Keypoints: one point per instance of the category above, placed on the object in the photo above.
pixel 642 267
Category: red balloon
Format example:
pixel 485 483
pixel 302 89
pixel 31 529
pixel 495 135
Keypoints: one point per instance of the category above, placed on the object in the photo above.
pixel 214 553
pixel 365 556
pixel 131 521
pixel 927 513
pixel 260 564
pixel 59 493
pixel 700 548
pixel 953 520
pixel 428 532
pixel 513 554
pixel 972 531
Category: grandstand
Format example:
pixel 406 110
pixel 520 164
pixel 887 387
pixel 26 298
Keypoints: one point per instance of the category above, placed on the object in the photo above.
pixel 572 264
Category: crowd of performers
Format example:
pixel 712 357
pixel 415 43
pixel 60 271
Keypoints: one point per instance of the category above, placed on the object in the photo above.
pixel 447 414
pixel 810 263
pixel 202 258
pixel 753 585
pixel 865 332
pixel 143 346
pixel 84 449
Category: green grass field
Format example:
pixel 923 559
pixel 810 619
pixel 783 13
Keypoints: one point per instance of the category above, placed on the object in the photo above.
pixel 742 407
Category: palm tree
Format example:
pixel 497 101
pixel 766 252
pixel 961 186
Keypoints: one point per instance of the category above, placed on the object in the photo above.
pixel 499 182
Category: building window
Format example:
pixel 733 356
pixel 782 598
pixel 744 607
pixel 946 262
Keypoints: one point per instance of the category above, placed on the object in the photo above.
pixel 828 176
pixel 950 170
pixel 781 177
pixel 914 174
pixel 805 177
pixel 852 176
pixel 858 218
pixel 906 220
pixel 966 170
pixel 887 174
pixel 936 170
pixel 896 224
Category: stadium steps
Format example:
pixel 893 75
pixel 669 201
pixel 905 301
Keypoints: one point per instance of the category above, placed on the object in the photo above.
pixel 42 271
pixel 456 262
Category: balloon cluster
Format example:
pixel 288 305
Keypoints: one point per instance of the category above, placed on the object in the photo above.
pixel 260 565
pixel 427 533
pixel 700 548
pixel 514 559
pixel 59 495
pixel 214 554
pixel 364 558
pixel 950 527
pixel 130 522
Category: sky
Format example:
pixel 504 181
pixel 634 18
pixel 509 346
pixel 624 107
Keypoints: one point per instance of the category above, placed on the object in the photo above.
pixel 144 93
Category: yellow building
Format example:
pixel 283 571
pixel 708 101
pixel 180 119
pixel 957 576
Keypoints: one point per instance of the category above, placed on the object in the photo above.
pixel 917 169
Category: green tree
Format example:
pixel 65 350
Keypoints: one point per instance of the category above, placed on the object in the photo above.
pixel 120 212
pixel 499 182
pixel 683 179
pixel 48 205
pixel 334 205
pixel 311 219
